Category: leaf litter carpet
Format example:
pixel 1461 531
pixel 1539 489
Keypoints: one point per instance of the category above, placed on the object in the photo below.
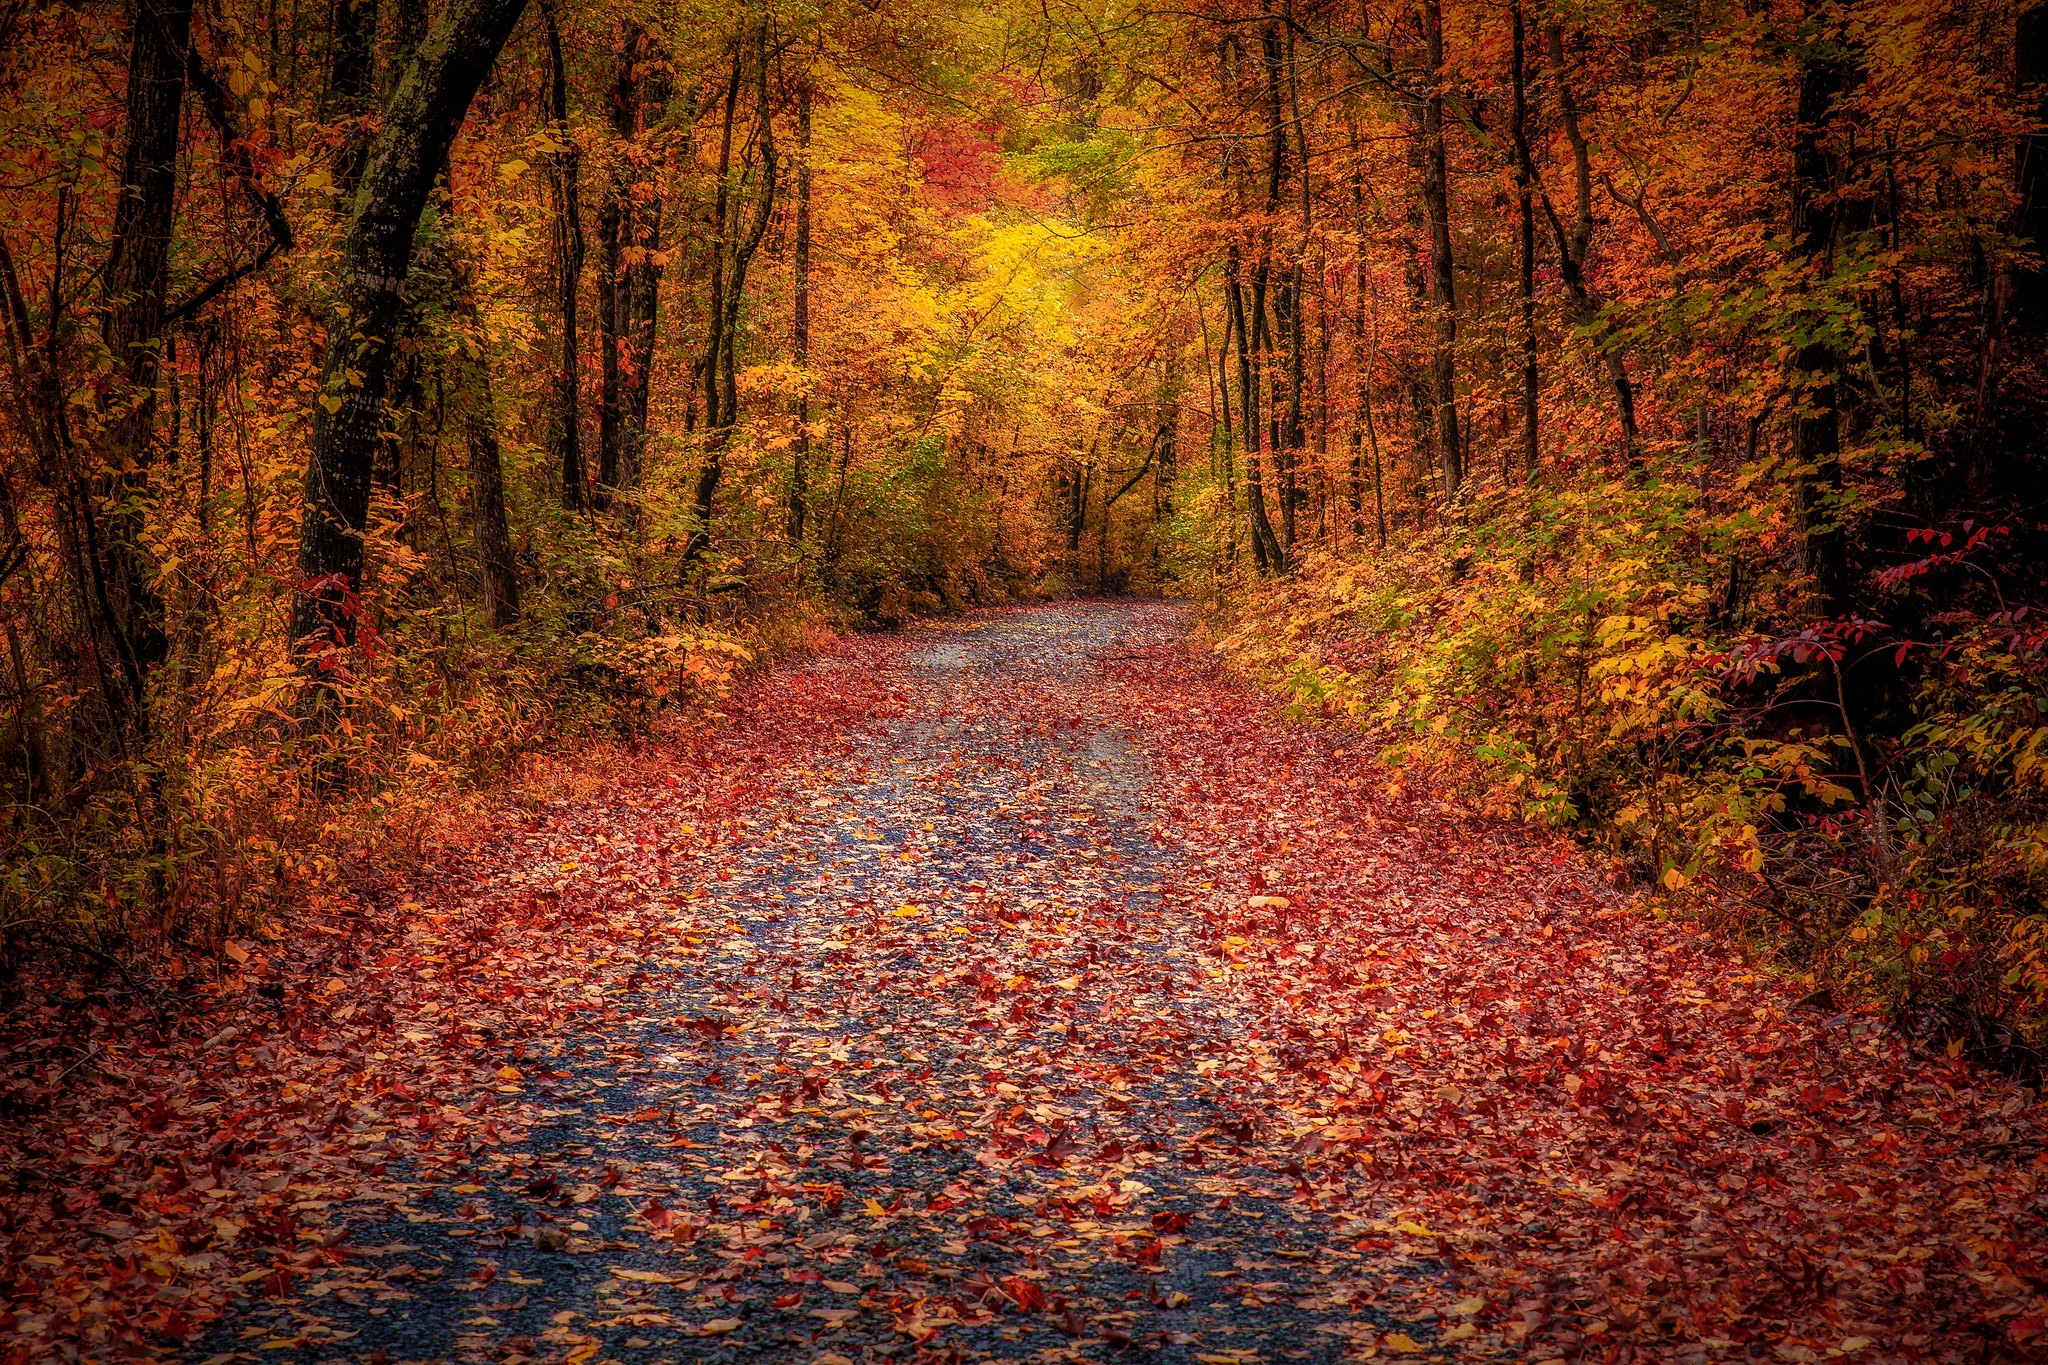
pixel 1017 988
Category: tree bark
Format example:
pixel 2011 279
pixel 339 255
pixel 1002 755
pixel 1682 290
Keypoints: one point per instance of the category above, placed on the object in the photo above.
pixel 611 229
pixel 1443 296
pixel 418 128
pixel 116 578
pixel 1265 545
pixel 351 74
pixel 800 322
pixel 1525 243
pixel 1573 247
pixel 642 301
pixel 565 170
pixel 490 531
pixel 1816 426
pixel 732 253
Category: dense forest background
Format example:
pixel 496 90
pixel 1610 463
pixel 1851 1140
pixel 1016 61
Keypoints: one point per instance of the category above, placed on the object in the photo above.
pixel 1630 413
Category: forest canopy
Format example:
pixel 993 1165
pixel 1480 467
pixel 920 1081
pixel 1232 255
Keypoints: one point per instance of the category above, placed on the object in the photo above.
pixel 1628 413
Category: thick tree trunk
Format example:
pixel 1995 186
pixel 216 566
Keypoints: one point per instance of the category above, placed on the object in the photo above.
pixel 800 323
pixel 565 171
pixel 116 578
pixel 355 375
pixel 1443 297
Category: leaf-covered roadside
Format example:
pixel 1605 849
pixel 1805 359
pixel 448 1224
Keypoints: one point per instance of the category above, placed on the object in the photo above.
pixel 167 1157
pixel 1611 1127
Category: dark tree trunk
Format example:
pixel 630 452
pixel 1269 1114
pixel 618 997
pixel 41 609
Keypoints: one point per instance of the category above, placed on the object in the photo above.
pixel 642 298
pixel 116 579
pixel 409 27
pixel 1525 258
pixel 351 75
pixel 611 230
pixel 355 374
pixel 1572 247
pixel 489 528
pixel 732 253
pixel 1443 295
pixel 800 323
pixel 1816 431
pixel 564 167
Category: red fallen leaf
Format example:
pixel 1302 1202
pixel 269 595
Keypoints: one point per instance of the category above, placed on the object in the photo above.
pixel 1028 1297
pixel 1114 1152
pixel 1169 1222
pixel 1061 1146
pixel 656 1215
pixel 547 1187
pixel 790 1300
pixel 611 1178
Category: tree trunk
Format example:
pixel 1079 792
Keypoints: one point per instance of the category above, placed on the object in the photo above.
pixel 351 74
pixel 642 302
pixel 732 253
pixel 611 228
pixel 1443 296
pixel 1573 248
pixel 489 530
pixel 1816 428
pixel 800 323
pixel 116 578
pixel 355 374
pixel 564 173
pixel 1525 259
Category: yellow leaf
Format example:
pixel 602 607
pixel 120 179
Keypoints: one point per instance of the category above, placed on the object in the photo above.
pixel 508 1073
pixel 874 1210
pixel 906 912
pixel 718 1327
pixel 1413 1229
pixel 330 402
pixel 1466 1308
pixel 1674 880
pixel 1402 1342
pixel 335 986
pixel 642 1276
pixel 582 1353
pixel 235 951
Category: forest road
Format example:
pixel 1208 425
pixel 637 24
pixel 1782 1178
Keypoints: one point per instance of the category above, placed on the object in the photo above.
pixel 1058 1001
pixel 941 1074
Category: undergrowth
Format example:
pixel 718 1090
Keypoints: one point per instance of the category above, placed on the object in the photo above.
pixel 1863 797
